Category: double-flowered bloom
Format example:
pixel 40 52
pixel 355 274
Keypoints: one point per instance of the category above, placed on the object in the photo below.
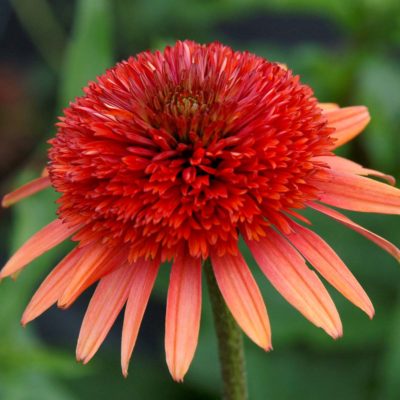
pixel 175 155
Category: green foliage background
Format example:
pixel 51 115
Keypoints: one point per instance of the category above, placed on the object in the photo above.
pixel 361 68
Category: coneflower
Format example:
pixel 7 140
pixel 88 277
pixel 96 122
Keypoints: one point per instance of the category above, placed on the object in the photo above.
pixel 175 155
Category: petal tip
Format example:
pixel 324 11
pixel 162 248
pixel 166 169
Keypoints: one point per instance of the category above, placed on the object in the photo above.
pixel 337 333
pixel 264 342
pixel 5 202
pixel 177 377
pixel 371 313
pixel 348 121
pixel 177 372
pixel 82 357
pixel 268 347
pixel 125 372
pixel 26 190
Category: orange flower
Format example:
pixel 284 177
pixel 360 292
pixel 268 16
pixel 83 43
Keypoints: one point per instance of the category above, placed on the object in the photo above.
pixel 174 156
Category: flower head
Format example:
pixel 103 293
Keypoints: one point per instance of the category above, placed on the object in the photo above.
pixel 173 156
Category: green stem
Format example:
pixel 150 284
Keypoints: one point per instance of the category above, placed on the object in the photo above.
pixel 230 343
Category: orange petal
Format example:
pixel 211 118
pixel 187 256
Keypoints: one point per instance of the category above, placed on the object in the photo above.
pixel 330 266
pixel 287 271
pixel 104 307
pixel 26 190
pixel 378 240
pixel 341 164
pixel 45 172
pixel 95 263
pixel 328 106
pixel 144 276
pixel 283 66
pixel 243 297
pixel 53 286
pixel 182 321
pixel 348 122
pixel 357 193
pixel 44 240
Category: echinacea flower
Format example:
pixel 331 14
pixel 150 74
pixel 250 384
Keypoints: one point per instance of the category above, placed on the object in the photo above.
pixel 174 155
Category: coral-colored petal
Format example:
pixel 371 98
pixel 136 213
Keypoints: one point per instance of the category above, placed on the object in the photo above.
pixel 96 263
pixel 104 307
pixel 53 286
pixel 348 122
pixel 330 266
pixel 182 321
pixel 144 276
pixel 288 272
pixel 44 240
pixel 45 172
pixel 328 106
pixel 26 190
pixel 378 240
pixel 357 193
pixel 341 164
pixel 242 297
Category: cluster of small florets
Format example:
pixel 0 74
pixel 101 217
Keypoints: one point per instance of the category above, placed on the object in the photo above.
pixel 188 147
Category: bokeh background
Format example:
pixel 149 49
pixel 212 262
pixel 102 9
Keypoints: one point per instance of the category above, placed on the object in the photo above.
pixel 348 51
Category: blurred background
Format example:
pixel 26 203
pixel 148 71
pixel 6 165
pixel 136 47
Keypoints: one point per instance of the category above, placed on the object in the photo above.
pixel 349 52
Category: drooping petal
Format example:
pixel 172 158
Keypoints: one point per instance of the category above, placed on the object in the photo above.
pixel 357 193
pixel 289 274
pixel 144 276
pixel 95 264
pixel 44 240
pixel 341 164
pixel 243 297
pixel 378 240
pixel 348 122
pixel 324 259
pixel 30 188
pixel 183 313
pixel 104 307
pixel 53 286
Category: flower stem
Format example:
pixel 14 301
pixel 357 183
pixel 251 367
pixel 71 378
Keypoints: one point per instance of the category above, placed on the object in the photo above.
pixel 230 343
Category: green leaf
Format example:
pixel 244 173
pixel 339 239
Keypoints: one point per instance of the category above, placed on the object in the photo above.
pixel 89 52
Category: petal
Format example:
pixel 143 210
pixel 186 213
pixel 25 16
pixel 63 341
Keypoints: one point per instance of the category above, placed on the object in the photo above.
pixel 341 164
pixel 324 259
pixel 144 276
pixel 243 297
pixel 348 122
pixel 182 321
pixel 357 193
pixel 378 240
pixel 289 274
pixel 44 240
pixel 95 263
pixel 26 190
pixel 53 286
pixel 104 307
pixel 328 106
